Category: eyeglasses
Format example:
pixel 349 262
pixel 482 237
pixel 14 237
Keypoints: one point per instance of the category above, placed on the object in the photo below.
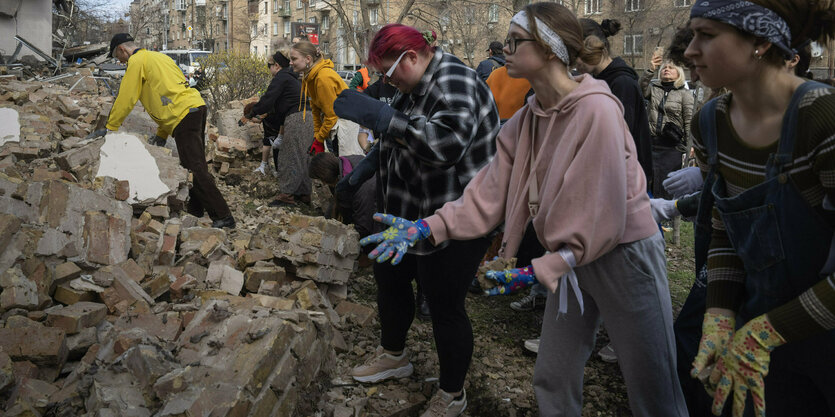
pixel 511 43
pixel 390 72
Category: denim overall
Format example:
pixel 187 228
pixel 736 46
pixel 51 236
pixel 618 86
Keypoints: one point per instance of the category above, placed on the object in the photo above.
pixel 783 244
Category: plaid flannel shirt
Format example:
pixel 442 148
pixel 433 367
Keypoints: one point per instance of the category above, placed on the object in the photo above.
pixel 442 134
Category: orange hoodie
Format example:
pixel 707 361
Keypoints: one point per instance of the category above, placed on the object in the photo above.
pixel 321 84
pixel 509 93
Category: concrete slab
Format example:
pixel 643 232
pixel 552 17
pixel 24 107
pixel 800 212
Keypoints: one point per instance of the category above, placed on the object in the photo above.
pixel 9 126
pixel 124 157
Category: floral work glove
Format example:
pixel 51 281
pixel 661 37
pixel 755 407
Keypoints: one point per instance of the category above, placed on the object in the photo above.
pixel 717 332
pixel 744 365
pixel 397 239
pixel 511 280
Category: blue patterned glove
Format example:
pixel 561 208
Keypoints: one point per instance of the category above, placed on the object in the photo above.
pixel 511 280
pixel 397 239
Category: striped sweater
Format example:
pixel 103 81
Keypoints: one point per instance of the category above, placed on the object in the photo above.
pixel 813 172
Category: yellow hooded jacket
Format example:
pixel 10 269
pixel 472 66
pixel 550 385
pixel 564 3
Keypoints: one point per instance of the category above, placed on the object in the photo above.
pixel 155 80
pixel 322 84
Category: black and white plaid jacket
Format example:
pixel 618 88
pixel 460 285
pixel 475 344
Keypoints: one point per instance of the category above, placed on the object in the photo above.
pixel 443 133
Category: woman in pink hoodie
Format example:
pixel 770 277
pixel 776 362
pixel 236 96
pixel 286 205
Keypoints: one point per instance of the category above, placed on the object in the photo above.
pixel 567 163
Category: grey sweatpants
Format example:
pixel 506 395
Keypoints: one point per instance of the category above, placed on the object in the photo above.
pixel 627 288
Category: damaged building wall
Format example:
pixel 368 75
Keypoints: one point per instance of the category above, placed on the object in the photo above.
pixel 29 19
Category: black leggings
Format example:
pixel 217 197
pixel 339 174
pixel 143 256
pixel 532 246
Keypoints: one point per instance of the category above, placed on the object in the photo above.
pixel 444 277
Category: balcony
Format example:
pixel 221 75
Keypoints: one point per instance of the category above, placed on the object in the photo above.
pixel 283 11
pixel 322 6
pixel 179 4
pixel 199 2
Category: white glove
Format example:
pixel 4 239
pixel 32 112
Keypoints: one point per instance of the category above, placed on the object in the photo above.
pixel 663 209
pixel 276 143
pixel 684 181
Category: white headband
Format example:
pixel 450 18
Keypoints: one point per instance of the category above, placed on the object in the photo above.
pixel 549 36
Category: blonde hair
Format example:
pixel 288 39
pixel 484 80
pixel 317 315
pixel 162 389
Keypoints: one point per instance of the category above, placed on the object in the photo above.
pixel 679 82
pixel 308 49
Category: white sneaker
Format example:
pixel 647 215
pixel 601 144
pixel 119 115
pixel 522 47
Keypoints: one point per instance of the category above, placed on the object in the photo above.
pixel 608 354
pixel 532 345
pixel 443 404
pixel 262 169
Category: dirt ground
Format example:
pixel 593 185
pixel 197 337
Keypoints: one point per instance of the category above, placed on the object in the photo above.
pixel 499 382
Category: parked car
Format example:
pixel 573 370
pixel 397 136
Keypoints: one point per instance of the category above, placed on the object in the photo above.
pixel 187 60
pixel 346 75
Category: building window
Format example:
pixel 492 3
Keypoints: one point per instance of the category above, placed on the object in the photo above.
pixel 326 22
pixel 493 13
pixel 287 27
pixel 275 28
pixel 633 45
pixel 632 5
pixel 312 3
pixel 681 3
pixel 356 18
pixel 275 6
pixel 372 16
pixel 287 5
pixel 266 11
pixel 592 6
pixel 312 19
pixel 299 4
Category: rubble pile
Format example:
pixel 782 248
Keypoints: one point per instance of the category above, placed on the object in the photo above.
pixel 115 302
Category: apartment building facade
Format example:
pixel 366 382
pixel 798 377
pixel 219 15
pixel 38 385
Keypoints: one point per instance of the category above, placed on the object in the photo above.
pixel 464 28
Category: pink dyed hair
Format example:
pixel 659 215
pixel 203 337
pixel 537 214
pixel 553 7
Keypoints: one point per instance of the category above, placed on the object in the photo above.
pixel 393 39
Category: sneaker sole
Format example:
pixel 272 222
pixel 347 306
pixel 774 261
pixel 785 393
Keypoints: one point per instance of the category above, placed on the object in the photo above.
pixel 402 372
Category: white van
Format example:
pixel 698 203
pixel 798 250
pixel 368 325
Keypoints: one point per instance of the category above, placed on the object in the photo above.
pixel 187 59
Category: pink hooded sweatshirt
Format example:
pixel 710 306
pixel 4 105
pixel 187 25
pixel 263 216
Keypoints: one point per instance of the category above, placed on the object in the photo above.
pixel 592 189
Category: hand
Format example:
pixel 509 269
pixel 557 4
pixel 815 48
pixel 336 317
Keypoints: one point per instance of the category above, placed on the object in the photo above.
pixel 97 134
pixel 655 62
pixel 276 142
pixel 684 181
pixel 744 366
pixel 316 147
pixel 363 109
pixel 156 140
pixel 397 239
pixel 511 280
pixel 717 331
pixel 663 209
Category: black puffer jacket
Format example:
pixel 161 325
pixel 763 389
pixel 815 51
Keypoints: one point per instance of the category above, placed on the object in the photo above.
pixel 280 100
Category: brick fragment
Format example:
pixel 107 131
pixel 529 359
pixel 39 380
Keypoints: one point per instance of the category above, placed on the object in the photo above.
pixel 45 346
pixel 76 317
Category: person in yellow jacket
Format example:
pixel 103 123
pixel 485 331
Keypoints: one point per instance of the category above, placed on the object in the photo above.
pixel 154 79
pixel 321 84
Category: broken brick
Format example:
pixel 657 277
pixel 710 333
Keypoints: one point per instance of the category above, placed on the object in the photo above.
pixel 76 317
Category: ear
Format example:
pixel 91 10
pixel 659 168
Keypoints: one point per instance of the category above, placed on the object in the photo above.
pixel 762 45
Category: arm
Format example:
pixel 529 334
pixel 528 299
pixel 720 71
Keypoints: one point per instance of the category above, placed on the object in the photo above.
pixel 687 105
pixel 317 123
pixel 726 275
pixel 482 205
pixel 266 104
pixel 327 88
pixel 129 92
pixel 442 138
pixel 646 85
pixel 356 81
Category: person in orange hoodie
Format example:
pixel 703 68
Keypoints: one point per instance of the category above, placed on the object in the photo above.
pixel 510 93
pixel 320 84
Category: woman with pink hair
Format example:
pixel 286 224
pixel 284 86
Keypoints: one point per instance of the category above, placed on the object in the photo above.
pixel 435 136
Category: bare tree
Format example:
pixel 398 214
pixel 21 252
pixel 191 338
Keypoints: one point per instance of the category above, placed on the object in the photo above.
pixel 358 32
pixel 646 22
pixel 147 22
